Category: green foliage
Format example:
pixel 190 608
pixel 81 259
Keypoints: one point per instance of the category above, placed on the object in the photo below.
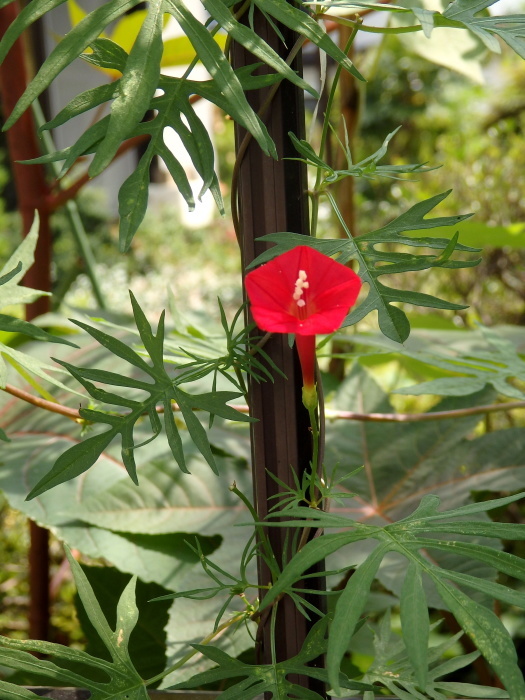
pixel 271 678
pixel 392 668
pixel 11 294
pixel 375 262
pixel 367 168
pixel 142 532
pixel 465 13
pixel 498 366
pixel 133 94
pixel 404 538
pixel 163 389
pixel 147 642
pixel 123 681
pixel 176 521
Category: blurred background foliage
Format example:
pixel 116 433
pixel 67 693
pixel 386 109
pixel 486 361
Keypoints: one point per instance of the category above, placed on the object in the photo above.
pixel 475 131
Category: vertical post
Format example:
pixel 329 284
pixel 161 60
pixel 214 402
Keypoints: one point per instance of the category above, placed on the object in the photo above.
pixel 272 197
pixel 32 192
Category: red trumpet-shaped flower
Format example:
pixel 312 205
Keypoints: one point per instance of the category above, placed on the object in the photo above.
pixel 302 292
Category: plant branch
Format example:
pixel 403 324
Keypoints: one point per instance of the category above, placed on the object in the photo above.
pixel 73 413
pixel 374 30
pixel 52 406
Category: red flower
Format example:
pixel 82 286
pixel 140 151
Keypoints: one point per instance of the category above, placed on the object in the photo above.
pixel 302 292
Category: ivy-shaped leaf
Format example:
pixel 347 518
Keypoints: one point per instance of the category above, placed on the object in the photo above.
pixel 270 678
pixel 123 680
pixel 161 389
pixel 404 538
pixel 464 14
pixel 392 320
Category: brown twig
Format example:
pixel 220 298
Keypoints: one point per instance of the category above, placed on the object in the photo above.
pixel 74 414
pixel 71 413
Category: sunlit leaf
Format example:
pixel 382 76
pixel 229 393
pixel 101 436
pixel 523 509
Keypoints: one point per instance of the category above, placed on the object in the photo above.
pixel 71 46
pixel 375 262
pixel 161 388
pixel 11 293
pixel 468 14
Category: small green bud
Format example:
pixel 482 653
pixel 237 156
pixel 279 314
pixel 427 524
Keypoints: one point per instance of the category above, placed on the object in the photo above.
pixel 310 397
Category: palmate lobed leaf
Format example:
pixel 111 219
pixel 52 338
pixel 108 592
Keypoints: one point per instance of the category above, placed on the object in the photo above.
pixel 171 507
pixel 404 466
pixel 392 320
pixel 271 678
pixel 161 388
pixel 476 619
pixel 140 79
pixel 172 109
pixel 475 370
pixel 391 668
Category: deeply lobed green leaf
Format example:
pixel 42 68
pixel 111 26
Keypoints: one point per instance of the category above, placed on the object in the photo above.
pixel 393 322
pixel 161 389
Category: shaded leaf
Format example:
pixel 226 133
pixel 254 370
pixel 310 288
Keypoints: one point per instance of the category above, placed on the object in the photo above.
pixel 414 622
pixel 147 643
pixel 270 678
pixel 489 635
pixel 497 367
pixel 123 680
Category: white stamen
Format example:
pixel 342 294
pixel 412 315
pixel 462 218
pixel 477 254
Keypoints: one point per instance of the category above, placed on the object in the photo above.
pixel 300 285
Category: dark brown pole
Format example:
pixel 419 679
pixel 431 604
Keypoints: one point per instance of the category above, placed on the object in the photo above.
pixel 32 192
pixel 272 197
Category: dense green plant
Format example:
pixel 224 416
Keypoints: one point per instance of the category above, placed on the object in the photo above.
pixel 400 491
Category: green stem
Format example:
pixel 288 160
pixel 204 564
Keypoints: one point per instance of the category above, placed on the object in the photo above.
pixel 262 535
pixel 374 30
pixel 191 654
pixel 272 632
pixel 326 127
pixel 315 453
pixel 72 213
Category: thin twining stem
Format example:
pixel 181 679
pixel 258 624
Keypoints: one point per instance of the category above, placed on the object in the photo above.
pixel 74 414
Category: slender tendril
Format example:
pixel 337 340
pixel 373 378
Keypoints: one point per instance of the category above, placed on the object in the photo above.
pixel 326 127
